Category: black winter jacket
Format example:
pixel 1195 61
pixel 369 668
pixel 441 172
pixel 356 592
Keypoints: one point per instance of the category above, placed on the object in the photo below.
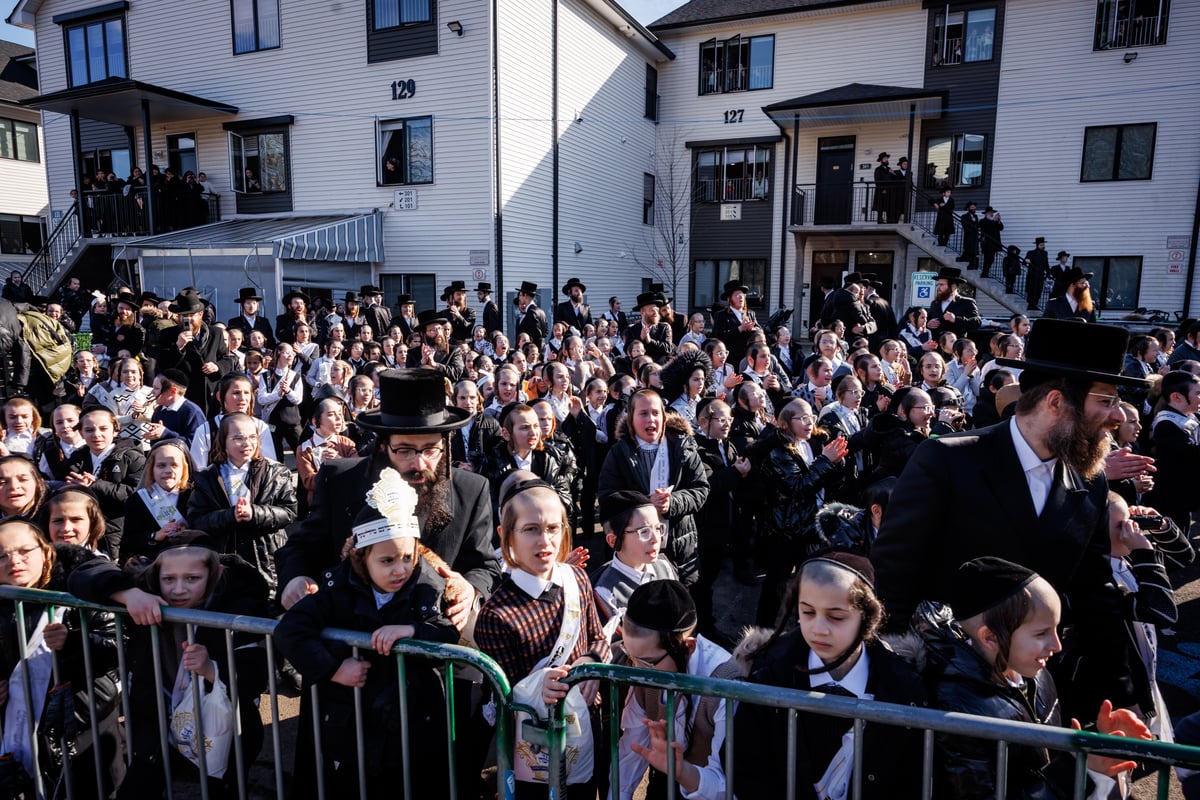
pixel 273 499
pixel 890 441
pixel 116 480
pixel 15 358
pixel 141 526
pixel 791 488
pixel 689 491
pixel 345 601
pixel 550 464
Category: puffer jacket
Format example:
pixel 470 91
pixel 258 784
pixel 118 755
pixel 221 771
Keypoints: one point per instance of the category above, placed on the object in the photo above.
pixel 273 500
pixel 345 601
pixel 890 443
pixel 551 464
pixel 791 488
pixel 891 755
pixel 689 491
pixel 841 526
pixel 15 357
pixel 959 680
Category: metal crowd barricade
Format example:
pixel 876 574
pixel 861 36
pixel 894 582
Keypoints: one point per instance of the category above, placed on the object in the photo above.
pixel 448 655
pixel 1005 733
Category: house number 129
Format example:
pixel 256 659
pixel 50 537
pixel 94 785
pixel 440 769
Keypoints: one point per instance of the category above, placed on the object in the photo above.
pixel 402 90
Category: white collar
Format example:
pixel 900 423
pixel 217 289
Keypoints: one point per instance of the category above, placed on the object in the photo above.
pixel 250 320
pixel 1072 301
pixel 229 469
pixel 97 460
pixel 177 403
pixel 524 463
pixel 643 575
pixel 1025 454
pixel 855 681
pixel 531 584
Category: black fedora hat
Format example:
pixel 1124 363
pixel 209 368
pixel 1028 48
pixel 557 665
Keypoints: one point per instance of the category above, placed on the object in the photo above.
pixel 573 282
pixel 429 316
pixel 528 287
pixel 351 297
pixel 369 290
pixel 1040 240
pixel 882 156
pixel 952 274
pixel 1062 348
pixel 404 300
pixel 903 160
pixel 1076 274
pixel 734 286
pixel 989 210
pixel 127 297
pixel 187 303
pixel 413 401
pixel 149 297
pixel 483 286
pixel 248 293
pixel 852 277
pixel 647 299
pixel 290 296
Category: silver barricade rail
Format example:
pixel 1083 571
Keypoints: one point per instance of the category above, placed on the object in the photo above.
pixel 1004 732
pixel 448 655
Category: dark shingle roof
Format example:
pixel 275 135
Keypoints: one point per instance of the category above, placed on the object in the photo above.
pixel 852 93
pixel 18 78
pixel 698 12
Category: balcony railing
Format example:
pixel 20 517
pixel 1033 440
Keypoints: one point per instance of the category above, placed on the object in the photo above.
pixel 117 214
pixel 1116 28
pixel 733 190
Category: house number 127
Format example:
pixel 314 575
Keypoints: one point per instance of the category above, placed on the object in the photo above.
pixel 402 90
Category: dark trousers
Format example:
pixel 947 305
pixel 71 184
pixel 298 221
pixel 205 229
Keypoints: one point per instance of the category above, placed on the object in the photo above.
pixel 782 558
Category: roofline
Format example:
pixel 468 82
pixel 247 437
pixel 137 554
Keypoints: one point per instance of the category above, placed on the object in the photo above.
pixel 696 23
pixel 126 85
pixel 786 105
pixel 625 23
pixel 24 14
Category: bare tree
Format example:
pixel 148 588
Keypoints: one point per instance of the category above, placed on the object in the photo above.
pixel 663 252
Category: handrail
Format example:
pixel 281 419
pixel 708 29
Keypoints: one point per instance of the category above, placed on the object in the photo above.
pixel 53 252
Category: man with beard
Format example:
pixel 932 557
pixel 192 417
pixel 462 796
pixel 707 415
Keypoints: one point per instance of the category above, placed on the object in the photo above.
pixel 1058 274
pixel 376 314
pixel 846 304
pixel 454 509
pixel 1030 489
pixel 989 238
pixel 491 312
pixel 573 312
pixel 295 309
pixel 733 325
pixel 1076 302
pixel 460 315
pixel 196 350
pixel 530 318
pixel 651 331
pixel 950 311
pixel 435 352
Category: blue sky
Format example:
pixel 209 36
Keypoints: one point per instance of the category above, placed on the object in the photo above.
pixel 646 11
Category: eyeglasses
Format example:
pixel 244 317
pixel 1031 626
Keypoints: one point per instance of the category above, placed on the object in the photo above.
pixel 1111 401
pixel 24 554
pixel 646 533
pixel 408 453
pixel 805 419
pixel 248 439
pixel 927 407
pixel 649 663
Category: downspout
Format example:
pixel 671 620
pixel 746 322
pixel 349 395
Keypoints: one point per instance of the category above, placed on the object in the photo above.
pixel 498 213
pixel 1191 271
pixel 795 159
pixel 146 167
pixel 554 154
pixel 77 161
pixel 912 118
pixel 787 201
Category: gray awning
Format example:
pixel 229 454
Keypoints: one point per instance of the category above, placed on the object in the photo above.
pixel 858 103
pixel 327 237
pixel 119 101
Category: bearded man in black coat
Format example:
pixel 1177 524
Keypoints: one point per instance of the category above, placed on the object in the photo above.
pixel 196 350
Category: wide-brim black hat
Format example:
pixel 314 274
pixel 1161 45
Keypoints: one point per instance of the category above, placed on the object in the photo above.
pixel 989 210
pixel 248 293
pixel 350 297
pixel 528 287
pixel 953 274
pixel 290 296
pixel 369 290
pixel 1076 274
pixel 573 282
pixel 647 299
pixel 734 286
pixel 429 316
pixel 853 277
pixel 413 401
pixel 1062 348
pixel 150 297
pixel 1040 240
pixel 404 299
pixel 882 156
pixel 483 286
pixel 186 303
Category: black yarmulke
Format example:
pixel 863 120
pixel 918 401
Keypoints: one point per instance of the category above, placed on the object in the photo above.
pixel 984 583
pixel 859 565
pixel 662 606
pixel 620 501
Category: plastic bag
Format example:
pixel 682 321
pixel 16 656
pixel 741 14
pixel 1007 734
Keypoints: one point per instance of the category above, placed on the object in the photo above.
pixel 216 716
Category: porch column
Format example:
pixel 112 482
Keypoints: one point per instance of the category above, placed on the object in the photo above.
pixel 146 147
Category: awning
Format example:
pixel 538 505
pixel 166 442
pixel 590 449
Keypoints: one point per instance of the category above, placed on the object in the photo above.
pixel 858 103
pixel 328 237
pixel 119 101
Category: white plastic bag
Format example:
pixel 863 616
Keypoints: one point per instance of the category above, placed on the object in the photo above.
pixel 216 715
pixel 531 763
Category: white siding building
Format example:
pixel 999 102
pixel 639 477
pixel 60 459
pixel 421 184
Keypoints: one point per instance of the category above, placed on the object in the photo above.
pixel 24 209
pixel 493 177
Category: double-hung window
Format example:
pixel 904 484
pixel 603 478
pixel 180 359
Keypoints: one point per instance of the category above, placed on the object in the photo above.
pixel 258 162
pixel 1118 153
pixel 955 160
pixel 962 37
pixel 1130 23
pixel 405 148
pixel 647 198
pixel 738 64
pixel 255 25
pixel 19 140
pixel 394 13
pixel 96 50
pixel 1117 280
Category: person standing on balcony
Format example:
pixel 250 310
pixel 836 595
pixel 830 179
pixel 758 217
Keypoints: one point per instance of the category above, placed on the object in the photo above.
pixel 883 203
pixel 943 226
pixel 970 226
pixel 1037 266
pixel 949 311
pixel 989 237
pixel 901 190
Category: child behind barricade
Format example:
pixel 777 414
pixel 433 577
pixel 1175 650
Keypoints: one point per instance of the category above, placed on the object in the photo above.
pixel 990 661
pixel 188 574
pixel 110 467
pixel 633 530
pixel 1112 653
pixel 833 647
pixel 539 623
pixel 388 585
pixel 22 428
pixel 158 508
pixel 659 632
pixel 73 516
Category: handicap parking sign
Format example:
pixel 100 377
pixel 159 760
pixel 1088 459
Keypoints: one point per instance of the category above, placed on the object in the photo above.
pixel 921 288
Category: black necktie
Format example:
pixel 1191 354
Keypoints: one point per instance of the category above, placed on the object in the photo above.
pixel 835 689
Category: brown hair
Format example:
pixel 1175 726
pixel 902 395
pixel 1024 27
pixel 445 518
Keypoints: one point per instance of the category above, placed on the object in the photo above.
pixel 40 490
pixel 1002 620
pixel 48 553
pixel 94 514
pixel 217 453
pixel 17 402
pixel 185 474
pixel 212 563
pixel 508 524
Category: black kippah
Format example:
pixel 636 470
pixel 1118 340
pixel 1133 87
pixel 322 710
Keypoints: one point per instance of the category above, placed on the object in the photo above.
pixel 859 565
pixel 620 501
pixel 663 606
pixel 523 486
pixel 984 583
pixel 189 537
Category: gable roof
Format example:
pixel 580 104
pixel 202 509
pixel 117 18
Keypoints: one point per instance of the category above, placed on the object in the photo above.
pixel 701 12
pixel 853 93
pixel 18 77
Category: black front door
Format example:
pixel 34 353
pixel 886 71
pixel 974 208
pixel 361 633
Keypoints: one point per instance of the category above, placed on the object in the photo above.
pixel 835 180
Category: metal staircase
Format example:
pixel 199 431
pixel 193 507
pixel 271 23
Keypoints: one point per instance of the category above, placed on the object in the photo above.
pixel 61 251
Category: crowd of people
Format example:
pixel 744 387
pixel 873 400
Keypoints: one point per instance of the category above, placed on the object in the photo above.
pixel 113 205
pixel 935 517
